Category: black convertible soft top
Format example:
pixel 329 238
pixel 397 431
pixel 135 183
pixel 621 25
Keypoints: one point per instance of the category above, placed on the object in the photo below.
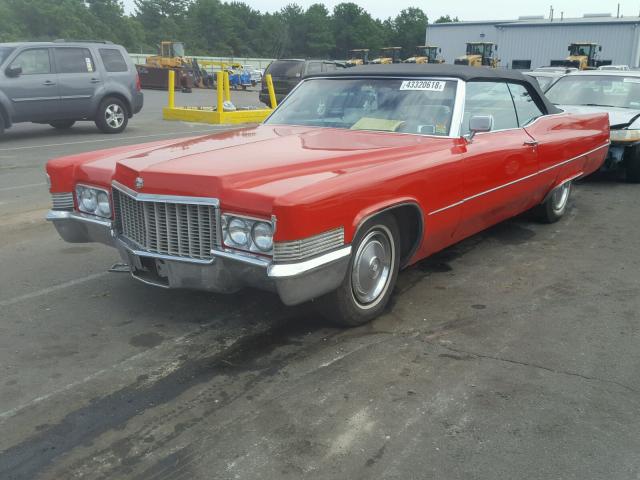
pixel 463 72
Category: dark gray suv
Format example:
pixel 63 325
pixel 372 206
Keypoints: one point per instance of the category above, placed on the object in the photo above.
pixel 62 82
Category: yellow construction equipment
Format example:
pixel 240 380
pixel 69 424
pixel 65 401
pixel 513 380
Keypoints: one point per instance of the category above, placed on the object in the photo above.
pixel 153 74
pixel 479 54
pixel 582 55
pixel 426 54
pixel 358 56
pixel 388 55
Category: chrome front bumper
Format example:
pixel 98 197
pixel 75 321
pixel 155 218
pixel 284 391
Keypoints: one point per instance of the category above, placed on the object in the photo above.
pixel 227 272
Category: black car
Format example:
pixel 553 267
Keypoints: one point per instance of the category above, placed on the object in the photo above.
pixel 287 73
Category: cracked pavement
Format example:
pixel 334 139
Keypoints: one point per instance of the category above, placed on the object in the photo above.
pixel 511 355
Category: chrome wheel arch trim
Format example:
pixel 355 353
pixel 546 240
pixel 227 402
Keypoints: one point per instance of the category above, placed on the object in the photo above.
pixel 391 207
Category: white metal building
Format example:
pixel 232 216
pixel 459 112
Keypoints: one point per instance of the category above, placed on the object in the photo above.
pixel 541 40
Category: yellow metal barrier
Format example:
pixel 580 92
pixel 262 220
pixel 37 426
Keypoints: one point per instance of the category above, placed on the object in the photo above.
pixel 172 89
pixel 272 92
pixel 216 115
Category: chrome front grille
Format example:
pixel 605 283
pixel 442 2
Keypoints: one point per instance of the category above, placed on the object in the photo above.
pixel 180 229
pixel 62 201
pixel 297 250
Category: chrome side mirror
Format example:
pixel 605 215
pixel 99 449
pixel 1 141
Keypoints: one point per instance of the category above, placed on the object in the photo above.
pixel 479 124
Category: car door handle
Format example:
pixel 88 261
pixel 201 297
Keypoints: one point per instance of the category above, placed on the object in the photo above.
pixel 49 83
pixel 531 143
pixel 95 80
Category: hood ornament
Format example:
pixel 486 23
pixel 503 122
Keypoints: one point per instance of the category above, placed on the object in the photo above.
pixel 139 183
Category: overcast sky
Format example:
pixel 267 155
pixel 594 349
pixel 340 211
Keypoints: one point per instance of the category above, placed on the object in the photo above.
pixel 465 9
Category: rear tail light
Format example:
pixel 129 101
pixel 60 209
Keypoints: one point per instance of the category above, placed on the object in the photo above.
pixel 138 85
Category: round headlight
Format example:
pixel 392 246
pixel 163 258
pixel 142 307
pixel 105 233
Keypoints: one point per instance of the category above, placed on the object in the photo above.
pixel 104 207
pixel 88 200
pixel 262 234
pixel 238 232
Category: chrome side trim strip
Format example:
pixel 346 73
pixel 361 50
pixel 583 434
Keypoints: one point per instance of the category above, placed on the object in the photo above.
pixel 149 197
pixel 294 269
pixel 513 182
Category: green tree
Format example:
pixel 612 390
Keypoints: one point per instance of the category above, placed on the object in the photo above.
pixel 319 34
pixel 446 19
pixel 353 27
pixel 409 29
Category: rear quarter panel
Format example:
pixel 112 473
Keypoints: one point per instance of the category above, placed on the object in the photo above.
pixel 570 145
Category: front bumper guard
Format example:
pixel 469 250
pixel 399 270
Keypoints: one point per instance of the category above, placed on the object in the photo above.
pixel 226 272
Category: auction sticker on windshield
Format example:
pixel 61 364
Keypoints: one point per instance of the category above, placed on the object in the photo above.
pixel 430 85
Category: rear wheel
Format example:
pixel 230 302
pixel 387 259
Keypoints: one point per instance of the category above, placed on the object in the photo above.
pixel 1 124
pixel 372 274
pixel 632 165
pixel 62 124
pixel 555 205
pixel 112 116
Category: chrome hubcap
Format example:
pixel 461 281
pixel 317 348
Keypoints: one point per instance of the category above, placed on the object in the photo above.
pixel 372 267
pixel 560 196
pixel 114 115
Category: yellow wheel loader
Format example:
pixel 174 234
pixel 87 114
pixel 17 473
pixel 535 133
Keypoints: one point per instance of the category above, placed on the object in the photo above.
pixel 426 54
pixel 583 56
pixel 358 56
pixel 388 55
pixel 479 54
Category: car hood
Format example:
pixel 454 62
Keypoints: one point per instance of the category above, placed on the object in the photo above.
pixel 617 116
pixel 251 167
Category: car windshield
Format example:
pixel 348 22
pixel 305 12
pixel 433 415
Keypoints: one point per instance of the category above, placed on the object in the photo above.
pixel 4 53
pixel 543 81
pixel 286 68
pixel 393 105
pixel 596 90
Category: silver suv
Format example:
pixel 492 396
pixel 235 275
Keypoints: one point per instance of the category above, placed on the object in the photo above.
pixel 62 82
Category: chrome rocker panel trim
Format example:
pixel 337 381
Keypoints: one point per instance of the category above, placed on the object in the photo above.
pixel 227 272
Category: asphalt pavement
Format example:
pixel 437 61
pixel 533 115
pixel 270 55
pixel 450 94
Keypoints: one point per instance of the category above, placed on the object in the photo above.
pixel 513 354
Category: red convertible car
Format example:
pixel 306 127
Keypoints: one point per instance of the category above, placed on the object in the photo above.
pixel 356 175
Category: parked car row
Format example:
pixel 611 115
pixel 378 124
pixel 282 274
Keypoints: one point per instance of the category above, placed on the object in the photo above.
pixel 357 174
pixel 60 83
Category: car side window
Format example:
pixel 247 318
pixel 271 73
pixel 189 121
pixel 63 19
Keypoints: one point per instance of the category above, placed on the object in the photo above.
pixel 328 67
pixel 113 60
pixel 526 108
pixel 314 67
pixel 73 60
pixel 489 98
pixel 34 61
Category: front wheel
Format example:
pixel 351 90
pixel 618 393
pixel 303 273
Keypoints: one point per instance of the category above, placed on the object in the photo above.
pixel 112 116
pixel 555 205
pixel 371 277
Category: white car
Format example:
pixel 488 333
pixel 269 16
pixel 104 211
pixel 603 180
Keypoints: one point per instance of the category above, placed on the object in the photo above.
pixel 618 68
pixel 614 92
